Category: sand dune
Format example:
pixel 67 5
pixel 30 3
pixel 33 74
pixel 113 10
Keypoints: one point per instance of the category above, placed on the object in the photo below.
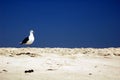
pixel 59 64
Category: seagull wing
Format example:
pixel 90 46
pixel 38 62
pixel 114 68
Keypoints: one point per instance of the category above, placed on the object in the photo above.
pixel 25 40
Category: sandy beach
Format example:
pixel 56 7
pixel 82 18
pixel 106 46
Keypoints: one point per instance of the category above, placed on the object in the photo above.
pixel 59 63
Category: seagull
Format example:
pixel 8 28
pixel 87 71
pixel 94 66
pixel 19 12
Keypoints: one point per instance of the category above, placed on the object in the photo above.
pixel 28 40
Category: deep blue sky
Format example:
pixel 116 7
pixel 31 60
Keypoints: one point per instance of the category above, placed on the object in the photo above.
pixel 61 23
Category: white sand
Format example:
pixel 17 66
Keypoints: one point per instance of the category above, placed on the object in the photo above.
pixel 59 64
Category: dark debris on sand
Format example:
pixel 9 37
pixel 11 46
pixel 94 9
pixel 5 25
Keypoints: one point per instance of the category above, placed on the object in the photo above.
pixel 29 71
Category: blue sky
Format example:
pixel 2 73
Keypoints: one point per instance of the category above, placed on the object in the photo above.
pixel 61 23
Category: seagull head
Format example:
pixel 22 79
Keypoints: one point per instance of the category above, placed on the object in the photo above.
pixel 31 31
